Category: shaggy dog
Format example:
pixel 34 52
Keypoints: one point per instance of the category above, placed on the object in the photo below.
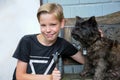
pixel 103 54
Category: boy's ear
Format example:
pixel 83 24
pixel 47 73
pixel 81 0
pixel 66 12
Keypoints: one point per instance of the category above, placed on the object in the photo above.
pixel 62 23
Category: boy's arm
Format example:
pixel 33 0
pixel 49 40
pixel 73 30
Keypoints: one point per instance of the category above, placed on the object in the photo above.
pixel 22 75
pixel 79 57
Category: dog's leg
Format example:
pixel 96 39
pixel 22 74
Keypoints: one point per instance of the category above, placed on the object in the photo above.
pixel 88 69
pixel 100 70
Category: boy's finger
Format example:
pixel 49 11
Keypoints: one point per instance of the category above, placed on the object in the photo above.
pixel 55 68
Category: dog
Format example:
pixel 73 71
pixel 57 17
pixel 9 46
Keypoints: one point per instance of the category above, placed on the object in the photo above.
pixel 103 54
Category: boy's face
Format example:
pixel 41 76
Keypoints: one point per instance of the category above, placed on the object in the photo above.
pixel 50 26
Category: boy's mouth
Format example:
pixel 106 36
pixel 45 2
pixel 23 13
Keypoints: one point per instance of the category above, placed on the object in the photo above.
pixel 49 35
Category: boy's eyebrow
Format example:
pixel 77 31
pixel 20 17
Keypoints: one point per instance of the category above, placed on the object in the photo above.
pixel 42 24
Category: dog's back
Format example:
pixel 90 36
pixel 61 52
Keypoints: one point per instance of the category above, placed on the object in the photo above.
pixel 114 56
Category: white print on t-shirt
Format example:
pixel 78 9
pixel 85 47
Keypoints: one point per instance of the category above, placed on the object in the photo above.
pixel 36 61
pixel 48 68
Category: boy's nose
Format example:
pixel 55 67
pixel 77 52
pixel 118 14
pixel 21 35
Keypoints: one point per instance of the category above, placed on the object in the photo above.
pixel 48 29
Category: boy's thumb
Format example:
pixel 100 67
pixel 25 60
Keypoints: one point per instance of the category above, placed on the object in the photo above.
pixel 55 68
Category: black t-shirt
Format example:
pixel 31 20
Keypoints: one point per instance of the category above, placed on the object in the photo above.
pixel 38 56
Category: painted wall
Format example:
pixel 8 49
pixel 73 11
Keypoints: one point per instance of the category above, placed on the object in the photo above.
pixel 87 8
pixel 17 18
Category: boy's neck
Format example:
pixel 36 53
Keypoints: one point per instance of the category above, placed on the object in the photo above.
pixel 43 41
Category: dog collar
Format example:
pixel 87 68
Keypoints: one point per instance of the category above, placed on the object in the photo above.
pixel 84 51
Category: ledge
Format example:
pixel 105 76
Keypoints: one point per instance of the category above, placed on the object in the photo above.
pixel 113 18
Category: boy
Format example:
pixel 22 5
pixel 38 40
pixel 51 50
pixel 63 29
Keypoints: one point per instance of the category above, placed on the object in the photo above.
pixel 34 52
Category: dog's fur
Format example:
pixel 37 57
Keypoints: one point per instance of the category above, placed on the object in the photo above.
pixel 103 54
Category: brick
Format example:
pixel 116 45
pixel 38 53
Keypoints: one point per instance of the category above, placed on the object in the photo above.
pixel 94 1
pixel 67 11
pixel 86 10
pixel 69 2
pixel 55 1
pixel 111 7
pixel 64 2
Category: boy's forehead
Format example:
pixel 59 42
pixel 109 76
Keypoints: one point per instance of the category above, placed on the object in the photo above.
pixel 48 16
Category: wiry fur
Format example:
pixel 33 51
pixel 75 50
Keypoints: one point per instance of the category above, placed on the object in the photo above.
pixel 103 54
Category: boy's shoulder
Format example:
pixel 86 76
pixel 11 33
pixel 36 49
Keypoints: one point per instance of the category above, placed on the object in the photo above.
pixel 29 36
pixel 64 41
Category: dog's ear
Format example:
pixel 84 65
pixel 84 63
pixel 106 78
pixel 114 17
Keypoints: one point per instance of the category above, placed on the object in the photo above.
pixel 92 21
pixel 79 19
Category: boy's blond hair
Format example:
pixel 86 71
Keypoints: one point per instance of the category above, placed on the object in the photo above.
pixel 49 8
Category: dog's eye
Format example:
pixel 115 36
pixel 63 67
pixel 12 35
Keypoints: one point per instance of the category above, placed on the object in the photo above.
pixel 83 27
pixel 76 28
pixel 76 37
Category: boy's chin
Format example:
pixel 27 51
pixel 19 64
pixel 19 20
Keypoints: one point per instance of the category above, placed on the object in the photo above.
pixel 51 39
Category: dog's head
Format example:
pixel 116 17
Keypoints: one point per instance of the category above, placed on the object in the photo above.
pixel 86 31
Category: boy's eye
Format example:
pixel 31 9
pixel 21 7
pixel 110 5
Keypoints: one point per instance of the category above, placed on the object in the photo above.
pixel 52 24
pixel 44 25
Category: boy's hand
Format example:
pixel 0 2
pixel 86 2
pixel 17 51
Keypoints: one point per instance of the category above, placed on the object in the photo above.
pixel 101 32
pixel 56 75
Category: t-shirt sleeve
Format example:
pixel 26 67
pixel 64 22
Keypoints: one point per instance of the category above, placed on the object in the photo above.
pixel 22 50
pixel 69 49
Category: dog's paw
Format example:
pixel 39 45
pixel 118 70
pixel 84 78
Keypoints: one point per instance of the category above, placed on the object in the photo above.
pixel 113 73
pixel 84 74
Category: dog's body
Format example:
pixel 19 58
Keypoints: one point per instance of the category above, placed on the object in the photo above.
pixel 103 55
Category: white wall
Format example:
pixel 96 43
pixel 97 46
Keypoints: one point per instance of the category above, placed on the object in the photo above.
pixel 17 18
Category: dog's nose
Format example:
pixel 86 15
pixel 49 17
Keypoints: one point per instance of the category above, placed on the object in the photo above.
pixel 75 36
pixel 72 33
pixel 73 30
